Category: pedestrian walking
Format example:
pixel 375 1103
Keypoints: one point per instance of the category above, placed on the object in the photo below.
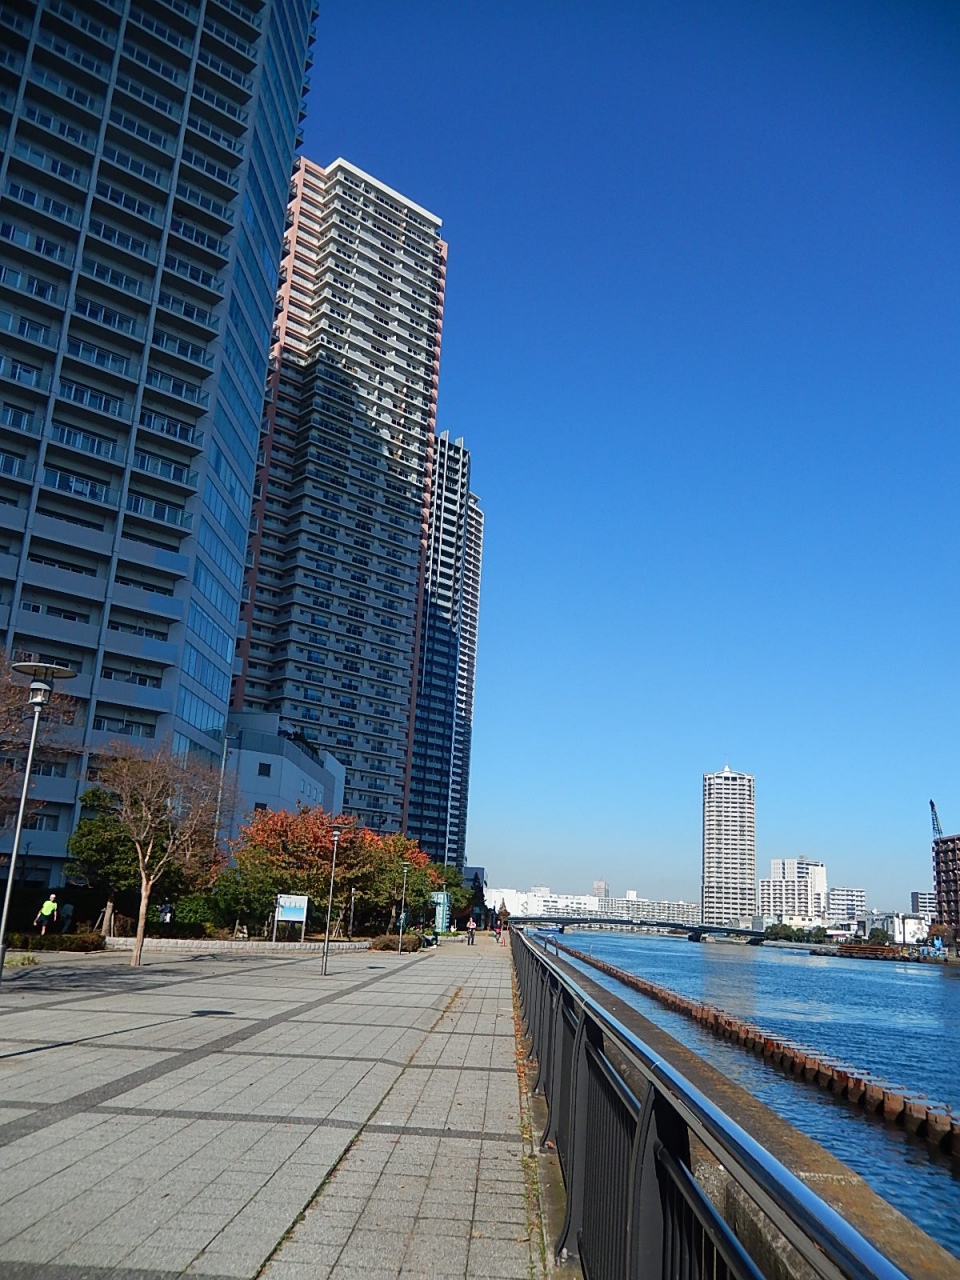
pixel 503 933
pixel 471 931
pixel 66 916
pixel 166 913
pixel 47 914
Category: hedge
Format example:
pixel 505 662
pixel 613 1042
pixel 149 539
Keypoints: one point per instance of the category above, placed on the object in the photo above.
pixel 411 942
pixel 55 942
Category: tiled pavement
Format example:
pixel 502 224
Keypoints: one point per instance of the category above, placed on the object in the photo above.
pixel 226 1117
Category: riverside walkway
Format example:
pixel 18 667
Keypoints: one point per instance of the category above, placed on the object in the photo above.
pixel 239 1117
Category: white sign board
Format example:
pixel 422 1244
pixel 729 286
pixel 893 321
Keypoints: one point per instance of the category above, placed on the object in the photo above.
pixel 292 906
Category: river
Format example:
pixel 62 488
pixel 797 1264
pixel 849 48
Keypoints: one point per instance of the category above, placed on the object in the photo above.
pixel 900 1021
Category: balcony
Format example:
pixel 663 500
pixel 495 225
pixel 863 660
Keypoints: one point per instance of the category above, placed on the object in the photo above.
pixel 13 519
pixel 109 726
pixel 243 12
pixel 160 424
pixel 138 504
pixel 87 442
pixel 65 90
pixel 19 420
pixel 47 626
pixel 224 69
pixel 111 276
pixel 197 275
pixel 16 468
pixel 205 241
pixel 217 136
pixel 177 388
pixel 58 529
pixel 25 375
pixel 211 169
pixel 155 178
pixel 89 398
pixel 135 551
pixel 21 283
pixel 53 165
pixel 131 645
pixel 102 357
pixel 80 487
pixel 198 199
pixel 140 600
pixel 234 43
pixel 54 790
pixel 141 697
pixel 164 72
pixel 165 469
pixel 64 581
pixel 192 352
pixel 38 202
pixel 189 311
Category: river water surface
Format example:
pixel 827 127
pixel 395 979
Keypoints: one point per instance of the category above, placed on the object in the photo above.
pixel 899 1021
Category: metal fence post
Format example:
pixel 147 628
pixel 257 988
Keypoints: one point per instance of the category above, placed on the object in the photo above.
pixel 575 1163
pixel 659 1125
pixel 551 1072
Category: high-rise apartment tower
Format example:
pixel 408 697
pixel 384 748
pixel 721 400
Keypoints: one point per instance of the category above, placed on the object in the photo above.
pixel 729 847
pixel 144 180
pixel 332 630
pixel 439 779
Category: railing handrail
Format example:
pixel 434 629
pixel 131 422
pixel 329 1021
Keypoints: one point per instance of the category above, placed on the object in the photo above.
pixel 797 1204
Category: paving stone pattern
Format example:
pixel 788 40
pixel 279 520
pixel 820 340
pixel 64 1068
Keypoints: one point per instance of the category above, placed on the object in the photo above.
pixel 227 1117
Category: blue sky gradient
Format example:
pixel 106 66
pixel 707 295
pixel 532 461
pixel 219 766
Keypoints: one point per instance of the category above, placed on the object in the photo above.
pixel 701 336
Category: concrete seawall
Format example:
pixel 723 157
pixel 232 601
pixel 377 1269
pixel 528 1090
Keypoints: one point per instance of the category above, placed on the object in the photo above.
pixel 923 1117
pixel 910 1248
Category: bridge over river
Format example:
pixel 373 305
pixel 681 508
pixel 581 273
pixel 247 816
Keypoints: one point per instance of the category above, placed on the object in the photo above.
pixel 695 932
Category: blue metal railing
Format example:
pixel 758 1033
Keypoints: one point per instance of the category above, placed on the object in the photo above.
pixel 621 1119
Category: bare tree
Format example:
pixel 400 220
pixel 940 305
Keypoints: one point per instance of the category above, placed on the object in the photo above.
pixel 167 805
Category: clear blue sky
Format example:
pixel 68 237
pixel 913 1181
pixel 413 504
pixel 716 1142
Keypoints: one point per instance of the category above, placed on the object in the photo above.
pixel 702 338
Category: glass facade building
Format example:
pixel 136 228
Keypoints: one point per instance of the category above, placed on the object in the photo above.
pixel 146 159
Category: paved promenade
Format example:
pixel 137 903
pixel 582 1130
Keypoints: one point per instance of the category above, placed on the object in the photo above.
pixel 234 1117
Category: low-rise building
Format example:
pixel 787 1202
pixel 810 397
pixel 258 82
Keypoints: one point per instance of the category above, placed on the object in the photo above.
pixel 844 903
pixel 270 767
pixel 904 930
pixel 923 904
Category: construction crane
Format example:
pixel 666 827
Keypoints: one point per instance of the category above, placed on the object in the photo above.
pixel 937 829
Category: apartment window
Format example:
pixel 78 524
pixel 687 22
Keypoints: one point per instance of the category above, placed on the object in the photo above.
pixel 264 770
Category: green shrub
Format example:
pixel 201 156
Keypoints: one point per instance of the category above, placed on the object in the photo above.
pixel 411 942
pixel 55 942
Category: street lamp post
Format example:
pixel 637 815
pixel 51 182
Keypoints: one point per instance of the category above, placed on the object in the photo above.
pixel 337 831
pixel 403 905
pixel 227 738
pixel 353 898
pixel 41 686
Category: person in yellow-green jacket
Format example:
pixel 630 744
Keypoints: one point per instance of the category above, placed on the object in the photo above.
pixel 47 914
